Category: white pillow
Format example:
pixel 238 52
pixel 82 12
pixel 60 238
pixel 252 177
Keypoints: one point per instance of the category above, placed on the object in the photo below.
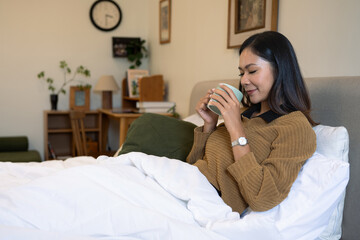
pixel 333 142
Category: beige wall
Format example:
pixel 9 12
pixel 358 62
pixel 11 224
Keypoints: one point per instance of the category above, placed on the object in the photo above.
pixel 36 34
pixel 325 35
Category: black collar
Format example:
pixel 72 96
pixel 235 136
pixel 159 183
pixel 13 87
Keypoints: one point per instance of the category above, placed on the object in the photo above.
pixel 268 116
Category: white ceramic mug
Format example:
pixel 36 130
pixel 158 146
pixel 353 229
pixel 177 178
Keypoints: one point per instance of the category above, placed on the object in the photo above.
pixel 236 91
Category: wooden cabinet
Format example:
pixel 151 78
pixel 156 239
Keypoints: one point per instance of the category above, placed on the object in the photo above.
pixel 58 133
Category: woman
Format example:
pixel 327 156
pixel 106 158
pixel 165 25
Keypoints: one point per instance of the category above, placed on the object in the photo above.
pixel 255 156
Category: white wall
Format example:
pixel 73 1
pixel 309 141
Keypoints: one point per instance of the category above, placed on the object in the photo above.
pixel 35 35
pixel 324 33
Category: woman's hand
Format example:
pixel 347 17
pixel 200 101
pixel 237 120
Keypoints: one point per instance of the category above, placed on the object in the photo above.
pixel 229 107
pixel 210 118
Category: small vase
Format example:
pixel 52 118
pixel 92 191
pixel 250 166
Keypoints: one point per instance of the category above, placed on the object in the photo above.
pixel 54 101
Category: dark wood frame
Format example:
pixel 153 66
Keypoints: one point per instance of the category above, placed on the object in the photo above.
pixel 236 38
pixel 119 45
pixel 162 19
pixel 75 95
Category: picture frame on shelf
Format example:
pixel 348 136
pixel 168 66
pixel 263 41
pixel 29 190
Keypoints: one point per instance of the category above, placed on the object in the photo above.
pixel 132 81
pixel 247 17
pixel 119 45
pixel 79 98
pixel 165 21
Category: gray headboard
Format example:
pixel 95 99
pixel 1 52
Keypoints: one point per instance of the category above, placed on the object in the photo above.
pixel 335 103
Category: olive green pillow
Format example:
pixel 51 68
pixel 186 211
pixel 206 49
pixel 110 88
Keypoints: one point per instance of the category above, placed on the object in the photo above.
pixel 160 135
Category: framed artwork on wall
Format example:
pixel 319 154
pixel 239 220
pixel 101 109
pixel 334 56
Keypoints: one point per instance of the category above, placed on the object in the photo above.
pixel 165 21
pixel 79 98
pixel 119 45
pixel 247 17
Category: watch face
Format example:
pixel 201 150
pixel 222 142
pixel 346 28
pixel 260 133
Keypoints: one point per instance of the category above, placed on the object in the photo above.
pixel 242 141
pixel 105 15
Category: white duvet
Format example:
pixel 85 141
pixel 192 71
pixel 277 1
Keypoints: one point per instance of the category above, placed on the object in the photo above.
pixel 133 196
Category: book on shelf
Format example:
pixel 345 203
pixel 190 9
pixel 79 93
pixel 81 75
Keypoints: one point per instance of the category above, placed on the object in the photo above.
pixel 51 151
pixel 156 104
pixel 155 110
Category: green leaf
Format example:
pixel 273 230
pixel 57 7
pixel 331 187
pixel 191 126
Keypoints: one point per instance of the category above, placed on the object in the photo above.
pixel 41 74
pixel 87 73
pixel 131 58
pixel 63 64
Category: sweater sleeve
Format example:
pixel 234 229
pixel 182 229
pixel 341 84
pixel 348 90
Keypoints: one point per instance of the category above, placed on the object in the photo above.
pixel 198 148
pixel 265 185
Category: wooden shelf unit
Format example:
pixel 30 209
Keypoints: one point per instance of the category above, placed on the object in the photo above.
pixel 58 132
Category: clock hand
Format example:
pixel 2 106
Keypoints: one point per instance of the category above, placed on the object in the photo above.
pixel 106 18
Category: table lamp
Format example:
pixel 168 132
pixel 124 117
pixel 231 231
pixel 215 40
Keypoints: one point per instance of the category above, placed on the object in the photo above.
pixel 107 85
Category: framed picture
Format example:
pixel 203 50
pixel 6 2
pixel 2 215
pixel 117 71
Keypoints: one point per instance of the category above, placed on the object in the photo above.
pixel 79 98
pixel 119 45
pixel 132 81
pixel 165 21
pixel 247 17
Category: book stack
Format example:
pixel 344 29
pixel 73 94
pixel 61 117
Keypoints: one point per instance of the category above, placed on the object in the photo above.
pixel 155 107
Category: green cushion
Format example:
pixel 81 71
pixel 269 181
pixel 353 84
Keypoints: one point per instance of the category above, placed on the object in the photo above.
pixel 160 135
pixel 20 156
pixel 17 143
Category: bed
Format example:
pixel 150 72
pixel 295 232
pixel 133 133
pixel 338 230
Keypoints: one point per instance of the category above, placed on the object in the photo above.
pixel 149 192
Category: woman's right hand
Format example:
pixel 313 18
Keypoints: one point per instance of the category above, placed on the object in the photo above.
pixel 210 118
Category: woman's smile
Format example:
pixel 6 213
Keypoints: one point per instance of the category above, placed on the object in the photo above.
pixel 251 92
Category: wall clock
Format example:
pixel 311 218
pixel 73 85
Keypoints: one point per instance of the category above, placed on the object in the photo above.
pixel 105 15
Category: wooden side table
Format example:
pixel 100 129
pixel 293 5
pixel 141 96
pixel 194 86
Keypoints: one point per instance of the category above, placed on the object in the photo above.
pixel 124 118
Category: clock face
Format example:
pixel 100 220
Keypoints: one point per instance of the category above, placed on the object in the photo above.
pixel 105 15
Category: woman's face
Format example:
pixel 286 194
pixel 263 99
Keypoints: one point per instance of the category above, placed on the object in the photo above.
pixel 257 77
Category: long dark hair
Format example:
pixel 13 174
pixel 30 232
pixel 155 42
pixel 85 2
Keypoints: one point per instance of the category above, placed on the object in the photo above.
pixel 289 92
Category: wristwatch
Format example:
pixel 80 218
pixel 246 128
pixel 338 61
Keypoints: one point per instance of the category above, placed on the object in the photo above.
pixel 242 141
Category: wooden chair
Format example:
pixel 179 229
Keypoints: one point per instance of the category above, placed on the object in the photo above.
pixel 79 136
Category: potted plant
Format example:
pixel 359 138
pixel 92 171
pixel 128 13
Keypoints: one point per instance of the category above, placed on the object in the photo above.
pixel 66 71
pixel 136 51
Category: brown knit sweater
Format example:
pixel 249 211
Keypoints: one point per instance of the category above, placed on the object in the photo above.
pixel 262 178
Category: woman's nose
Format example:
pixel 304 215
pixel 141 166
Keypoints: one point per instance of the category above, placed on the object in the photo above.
pixel 244 80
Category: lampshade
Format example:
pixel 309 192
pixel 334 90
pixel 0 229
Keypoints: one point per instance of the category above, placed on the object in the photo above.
pixel 106 83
